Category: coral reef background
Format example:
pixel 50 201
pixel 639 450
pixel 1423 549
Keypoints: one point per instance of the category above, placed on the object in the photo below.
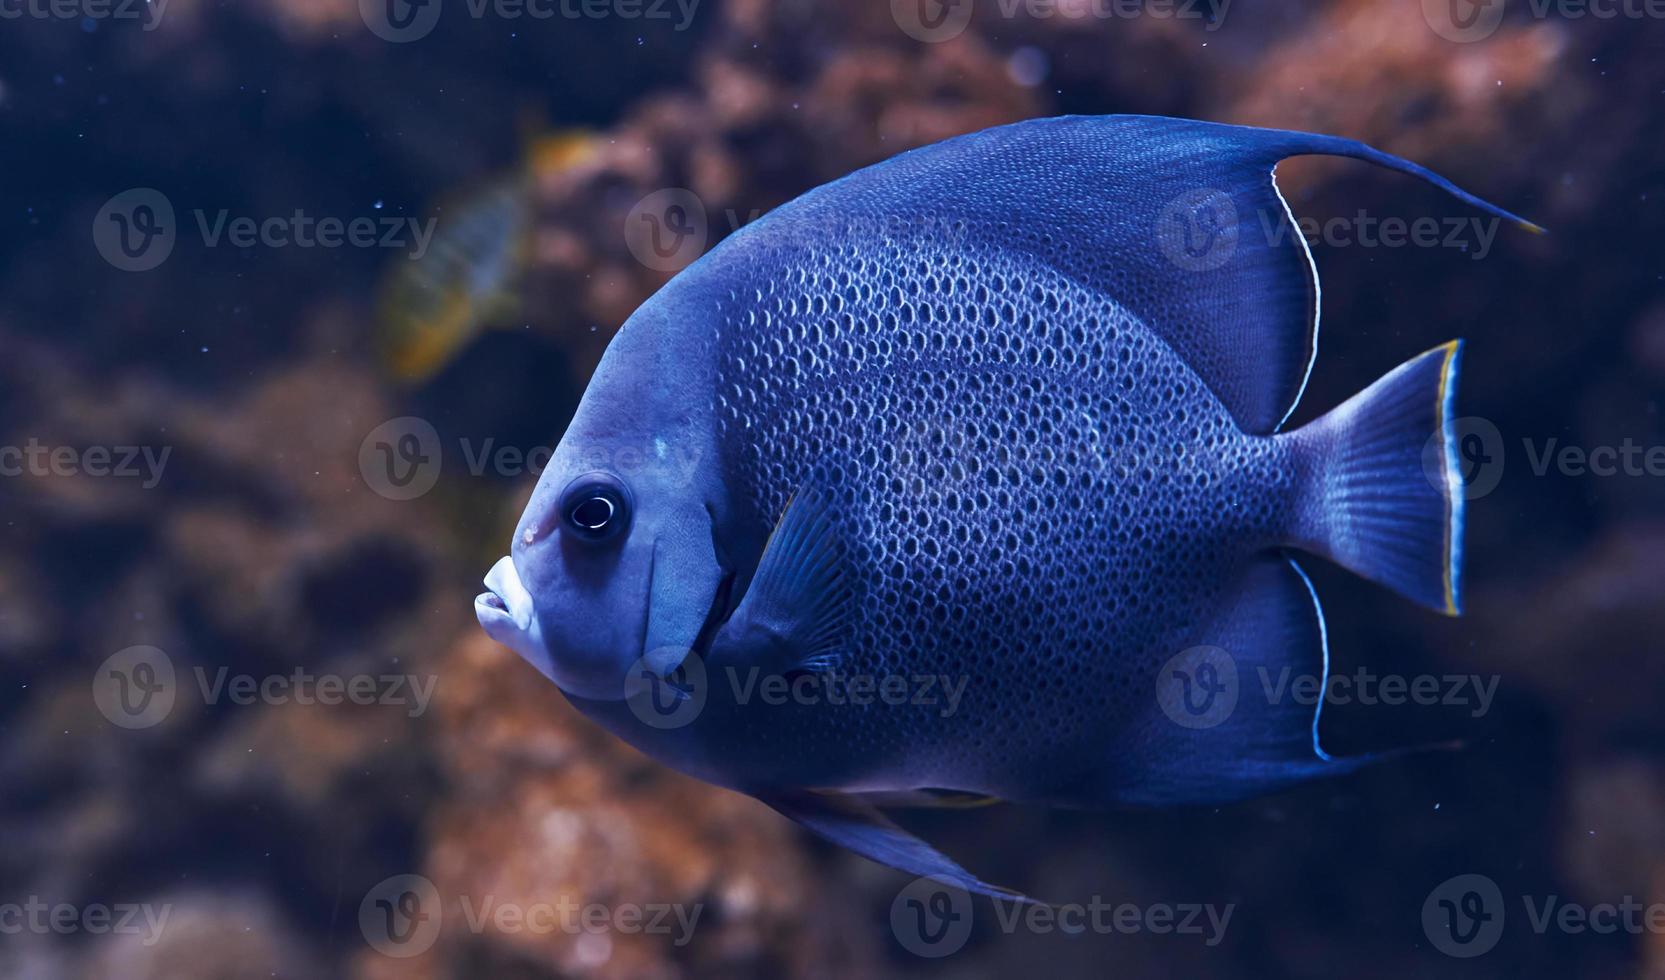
pixel 263 547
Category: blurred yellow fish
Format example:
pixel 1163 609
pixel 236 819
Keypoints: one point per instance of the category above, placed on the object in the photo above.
pixel 433 306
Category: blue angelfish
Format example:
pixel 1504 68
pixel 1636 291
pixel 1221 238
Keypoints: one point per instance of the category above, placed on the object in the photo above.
pixel 964 477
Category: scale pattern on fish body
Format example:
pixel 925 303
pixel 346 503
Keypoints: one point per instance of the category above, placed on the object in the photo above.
pixel 1041 496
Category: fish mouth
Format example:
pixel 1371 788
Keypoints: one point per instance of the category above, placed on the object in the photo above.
pixel 507 615
pixel 507 598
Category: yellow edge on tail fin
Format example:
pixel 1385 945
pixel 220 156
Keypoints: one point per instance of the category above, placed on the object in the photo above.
pixel 1454 500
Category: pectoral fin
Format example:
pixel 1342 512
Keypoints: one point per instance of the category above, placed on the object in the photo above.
pixel 857 825
pixel 795 614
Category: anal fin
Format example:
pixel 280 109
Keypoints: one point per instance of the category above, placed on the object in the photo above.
pixel 1227 722
pixel 855 824
pixel 929 799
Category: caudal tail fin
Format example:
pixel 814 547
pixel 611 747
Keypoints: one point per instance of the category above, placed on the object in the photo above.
pixel 1384 496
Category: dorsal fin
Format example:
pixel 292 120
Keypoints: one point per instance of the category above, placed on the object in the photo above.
pixel 1177 221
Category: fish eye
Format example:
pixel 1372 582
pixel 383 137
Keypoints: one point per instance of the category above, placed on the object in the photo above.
pixel 596 507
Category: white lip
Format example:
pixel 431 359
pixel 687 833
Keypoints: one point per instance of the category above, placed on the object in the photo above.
pixel 504 582
pixel 506 614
